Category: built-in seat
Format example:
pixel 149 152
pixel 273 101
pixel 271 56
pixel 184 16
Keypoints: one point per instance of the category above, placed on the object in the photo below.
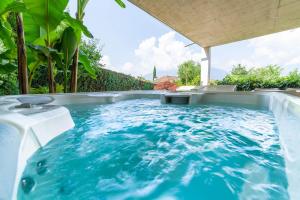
pixel 10 140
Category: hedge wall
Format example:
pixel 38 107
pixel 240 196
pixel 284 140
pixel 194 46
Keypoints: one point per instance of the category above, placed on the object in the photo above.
pixel 251 83
pixel 263 77
pixel 106 80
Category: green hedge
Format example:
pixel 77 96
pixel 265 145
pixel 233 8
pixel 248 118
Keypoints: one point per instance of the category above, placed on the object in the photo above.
pixel 250 84
pixel 263 77
pixel 106 80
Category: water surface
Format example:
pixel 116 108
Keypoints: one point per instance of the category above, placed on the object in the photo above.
pixel 140 149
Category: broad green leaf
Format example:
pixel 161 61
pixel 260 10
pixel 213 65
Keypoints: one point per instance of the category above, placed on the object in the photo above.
pixel 69 44
pixel 40 49
pixel 15 6
pixel 6 36
pixel 54 35
pixel 58 60
pixel 9 54
pixel 46 51
pixel 46 13
pixel 84 60
pixel 121 3
pixel 43 52
pixel 33 65
pixel 7 68
pixel 4 4
pixel 77 26
pixel 31 29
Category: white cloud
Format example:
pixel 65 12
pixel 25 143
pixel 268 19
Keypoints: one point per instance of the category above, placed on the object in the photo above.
pixel 165 52
pixel 105 60
pixel 127 68
pixel 280 48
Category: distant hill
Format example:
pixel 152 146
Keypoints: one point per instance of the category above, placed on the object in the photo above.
pixel 216 74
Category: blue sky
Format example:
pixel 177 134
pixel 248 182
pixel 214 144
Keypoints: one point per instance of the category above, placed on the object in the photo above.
pixel 133 42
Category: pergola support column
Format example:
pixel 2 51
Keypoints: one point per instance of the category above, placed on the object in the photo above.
pixel 205 67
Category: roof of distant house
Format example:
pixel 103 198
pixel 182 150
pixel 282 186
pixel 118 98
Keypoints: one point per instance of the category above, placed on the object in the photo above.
pixel 166 79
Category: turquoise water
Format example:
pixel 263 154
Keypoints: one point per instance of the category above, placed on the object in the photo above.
pixel 140 149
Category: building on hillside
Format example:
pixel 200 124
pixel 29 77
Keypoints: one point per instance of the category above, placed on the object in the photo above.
pixel 166 83
pixel 171 79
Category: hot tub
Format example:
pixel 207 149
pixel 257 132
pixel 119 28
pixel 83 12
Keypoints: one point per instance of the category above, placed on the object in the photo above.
pixel 133 145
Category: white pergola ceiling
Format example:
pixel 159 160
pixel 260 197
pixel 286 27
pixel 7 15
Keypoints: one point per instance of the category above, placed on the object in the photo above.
pixel 216 22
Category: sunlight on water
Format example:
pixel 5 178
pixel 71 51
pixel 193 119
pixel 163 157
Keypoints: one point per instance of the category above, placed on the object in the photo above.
pixel 140 149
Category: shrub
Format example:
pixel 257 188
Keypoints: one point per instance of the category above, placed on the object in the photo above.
pixel 45 89
pixel 9 84
pixel 264 77
pixel 189 73
pixel 106 80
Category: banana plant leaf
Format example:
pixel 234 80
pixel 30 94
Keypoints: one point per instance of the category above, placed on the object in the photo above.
pixel 9 54
pixel 78 26
pixel 54 35
pixel 14 6
pixel 7 68
pixel 69 44
pixel 58 32
pixel 31 29
pixel 43 53
pixel 4 4
pixel 46 51
pixel 120 3
pixel 84 60
pixel 6 36
pixel 46 13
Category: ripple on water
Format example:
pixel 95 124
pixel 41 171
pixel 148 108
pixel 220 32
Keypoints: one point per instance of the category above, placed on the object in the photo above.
pixel 140 149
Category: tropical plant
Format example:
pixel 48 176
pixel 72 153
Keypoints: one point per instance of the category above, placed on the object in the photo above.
pixel 59 42
pixel 189 73
pixel 10 10
pixel 46 15
pixel 6 31
pixel 52 38
pixel 102 80
pixel 22 56
pixel 69 44
pixel 81 5
pixel 8 83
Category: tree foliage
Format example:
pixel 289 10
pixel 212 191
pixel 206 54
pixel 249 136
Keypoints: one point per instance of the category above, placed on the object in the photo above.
pixel 261 77
pixel 51 35
pixel 92 50
pixel 154 73
pixel 102 79
pixel 189 73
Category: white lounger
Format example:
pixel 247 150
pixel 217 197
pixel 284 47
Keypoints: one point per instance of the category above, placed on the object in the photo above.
pixel 217 88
